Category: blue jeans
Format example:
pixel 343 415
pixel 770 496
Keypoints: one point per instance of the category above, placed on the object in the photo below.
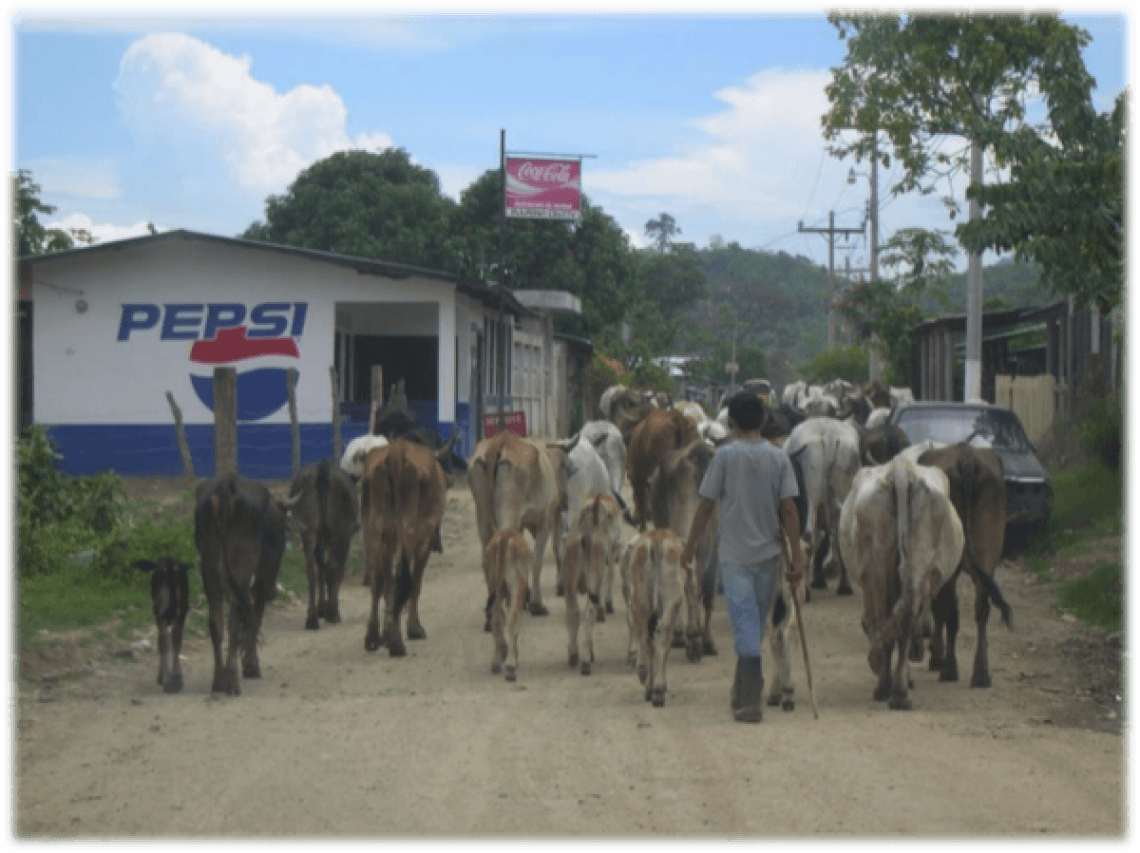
pixel 749 589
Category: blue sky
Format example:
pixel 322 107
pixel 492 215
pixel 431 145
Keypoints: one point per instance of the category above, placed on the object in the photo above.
pixel 193 123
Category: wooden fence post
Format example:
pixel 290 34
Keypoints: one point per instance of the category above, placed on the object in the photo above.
pixel 334 384
pixel 294 427
pixel 180 434
pixel 377 394
pixel 225 421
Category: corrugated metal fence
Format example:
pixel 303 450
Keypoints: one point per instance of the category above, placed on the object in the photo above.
pixel 1033 398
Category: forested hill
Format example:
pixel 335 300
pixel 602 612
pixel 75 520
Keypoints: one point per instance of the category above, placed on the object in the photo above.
pixel 779 301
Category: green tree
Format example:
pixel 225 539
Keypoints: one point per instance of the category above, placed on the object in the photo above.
pixel 30 236
pixel 371 205
pixel 921 78
pixel 662 230
pixel 674 281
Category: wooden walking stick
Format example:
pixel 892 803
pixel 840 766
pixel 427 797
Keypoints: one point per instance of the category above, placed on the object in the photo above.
pixel 800 622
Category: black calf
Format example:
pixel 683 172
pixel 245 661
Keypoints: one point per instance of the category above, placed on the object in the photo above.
pixel 170 595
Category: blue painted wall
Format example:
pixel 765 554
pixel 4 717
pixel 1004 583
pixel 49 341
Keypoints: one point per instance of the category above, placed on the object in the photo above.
pixel 265 451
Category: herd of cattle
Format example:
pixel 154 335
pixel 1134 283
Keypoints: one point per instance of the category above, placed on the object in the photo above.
pixel 899 522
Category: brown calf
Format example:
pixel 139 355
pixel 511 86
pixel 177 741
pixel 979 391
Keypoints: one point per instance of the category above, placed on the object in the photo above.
pixel 656 586
pixel 170 596
pixel 506 562
pixel 659 432
pixel 328 509
pixel 590 549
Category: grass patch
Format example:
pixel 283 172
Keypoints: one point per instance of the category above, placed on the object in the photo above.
pixel 1087 504
pixel 75 598
pixel 1096 598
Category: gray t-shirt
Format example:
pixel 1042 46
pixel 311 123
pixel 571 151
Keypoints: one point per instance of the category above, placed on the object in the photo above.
pixel 749 477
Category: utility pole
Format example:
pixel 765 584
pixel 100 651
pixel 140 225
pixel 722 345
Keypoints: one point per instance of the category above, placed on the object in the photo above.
pixel 831 231
pixel 973 385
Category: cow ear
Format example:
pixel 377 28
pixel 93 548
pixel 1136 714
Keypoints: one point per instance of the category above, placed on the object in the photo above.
pixel 145 565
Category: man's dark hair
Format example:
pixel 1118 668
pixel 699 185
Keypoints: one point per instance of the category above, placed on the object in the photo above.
pixel 747 410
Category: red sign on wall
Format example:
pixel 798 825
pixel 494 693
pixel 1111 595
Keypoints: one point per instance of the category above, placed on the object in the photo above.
pixel 514 421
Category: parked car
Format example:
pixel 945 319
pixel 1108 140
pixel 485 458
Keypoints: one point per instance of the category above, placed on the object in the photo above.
pixel 1028 490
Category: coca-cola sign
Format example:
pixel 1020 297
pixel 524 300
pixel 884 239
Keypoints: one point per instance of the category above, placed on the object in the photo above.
pixel 544 189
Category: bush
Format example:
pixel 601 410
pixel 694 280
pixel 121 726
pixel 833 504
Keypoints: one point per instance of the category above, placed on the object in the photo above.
pixel 1100 430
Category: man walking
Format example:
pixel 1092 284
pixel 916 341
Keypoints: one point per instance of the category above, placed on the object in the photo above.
pixel 755 485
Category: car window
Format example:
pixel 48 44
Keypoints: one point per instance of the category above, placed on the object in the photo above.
pixel 983 427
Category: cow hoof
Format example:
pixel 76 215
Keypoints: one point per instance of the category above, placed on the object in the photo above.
pixel 560 590
pixel 708 647
pixel 487 627
pixel 572 659
pixel 251 670
pixel 774 700
pixel 585 668
pixel 333 618
pixel 642 673
pixel 844 589
pixel 980 679
pixel 788 704
pixel 609 607
pixel 371 642
pixel 312 624
pixel 882 694
pixel 936 664
pixel 818 583
pixel 601 615
pixel 916 652
pixel 397 650
pixel 174 685
pixel 678 640
pixel 807 594
pixel 510 673
pixel 537 608
pixel 496 668
pixel 693 652
pixel 417 633
pixel 899 703
pixel 658 698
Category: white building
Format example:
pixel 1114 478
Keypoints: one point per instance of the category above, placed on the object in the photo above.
pixel 116 326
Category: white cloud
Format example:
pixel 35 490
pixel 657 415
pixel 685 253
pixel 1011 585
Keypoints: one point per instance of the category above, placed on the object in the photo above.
pixel 101 231
pixel 757 152
pixel 98 181
pixel 170 85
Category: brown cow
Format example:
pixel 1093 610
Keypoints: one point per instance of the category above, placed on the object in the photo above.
pixel 673 499
pixel 328 509
pixel 656 588
pixel 239 529
pixel 515 487
pixel 659 432
pixel 591 548
pixel 506 561
pixel 977 490
pixel 405 489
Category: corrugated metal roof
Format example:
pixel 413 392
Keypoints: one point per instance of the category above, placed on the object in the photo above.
pixel 480 290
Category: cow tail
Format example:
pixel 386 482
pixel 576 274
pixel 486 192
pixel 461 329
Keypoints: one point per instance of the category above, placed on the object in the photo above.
pixel 403 582
pixel 229 498
pixel 323 532
pixel 904 607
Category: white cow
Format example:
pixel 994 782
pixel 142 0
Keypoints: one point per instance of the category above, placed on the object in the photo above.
pixel 877 416
pixel 607 441
pixel 901 539
pixel 352 461
pixel 827 453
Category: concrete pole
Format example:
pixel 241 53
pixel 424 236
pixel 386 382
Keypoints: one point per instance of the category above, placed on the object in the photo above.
pixel 874 368
pixel 973 385
pixel 831 279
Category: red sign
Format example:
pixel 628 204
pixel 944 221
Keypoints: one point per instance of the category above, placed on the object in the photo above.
pixel 544 189
pixel 515 422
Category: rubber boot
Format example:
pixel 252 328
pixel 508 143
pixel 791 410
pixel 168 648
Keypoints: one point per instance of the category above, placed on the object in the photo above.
pixel 751 692
pixel 736 680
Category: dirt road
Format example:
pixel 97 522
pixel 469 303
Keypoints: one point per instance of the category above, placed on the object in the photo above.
pixel 334 741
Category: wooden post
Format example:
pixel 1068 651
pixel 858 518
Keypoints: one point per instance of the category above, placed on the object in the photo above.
pixel 294 427
pixel 377 394
pixel 335 386
pixel 180 434
pixel 225 421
